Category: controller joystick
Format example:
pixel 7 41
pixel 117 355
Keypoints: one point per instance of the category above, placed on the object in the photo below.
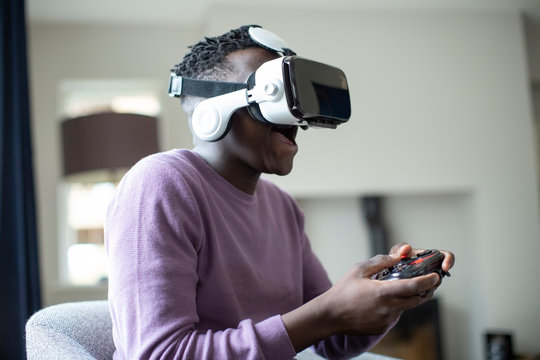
pixel 421 264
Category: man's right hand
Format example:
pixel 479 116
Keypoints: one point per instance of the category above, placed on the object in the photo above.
pixel 361 306
pixel 358 305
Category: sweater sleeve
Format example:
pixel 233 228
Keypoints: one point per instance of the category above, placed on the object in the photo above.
pixel 153 233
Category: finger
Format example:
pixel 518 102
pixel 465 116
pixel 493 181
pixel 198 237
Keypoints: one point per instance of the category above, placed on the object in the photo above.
pixel 410 287
pixel 448 261
pixel 376 264
pixel 400 250
pixel 413 301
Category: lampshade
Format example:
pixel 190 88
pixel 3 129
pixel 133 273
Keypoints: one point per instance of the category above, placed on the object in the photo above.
pixel 107 141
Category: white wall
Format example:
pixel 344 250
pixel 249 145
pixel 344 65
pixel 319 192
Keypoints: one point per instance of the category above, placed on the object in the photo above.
pixel 440 106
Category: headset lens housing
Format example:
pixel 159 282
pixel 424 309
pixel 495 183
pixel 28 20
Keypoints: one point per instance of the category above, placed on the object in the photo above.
pixel 316 92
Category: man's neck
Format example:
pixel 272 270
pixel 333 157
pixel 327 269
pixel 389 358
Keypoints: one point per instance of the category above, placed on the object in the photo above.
pixel 238 174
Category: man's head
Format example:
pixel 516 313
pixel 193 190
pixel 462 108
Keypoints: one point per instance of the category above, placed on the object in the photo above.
pixel 289 90
pixel 258 94
pixel 250 146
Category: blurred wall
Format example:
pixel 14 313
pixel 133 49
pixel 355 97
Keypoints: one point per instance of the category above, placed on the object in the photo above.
pixel 441 105
pixel 442 124
pixel 72 51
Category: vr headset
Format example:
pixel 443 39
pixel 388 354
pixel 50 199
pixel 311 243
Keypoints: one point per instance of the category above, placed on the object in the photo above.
pixel 287 91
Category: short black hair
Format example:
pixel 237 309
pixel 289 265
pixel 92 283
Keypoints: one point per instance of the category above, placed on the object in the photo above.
pixel 208 55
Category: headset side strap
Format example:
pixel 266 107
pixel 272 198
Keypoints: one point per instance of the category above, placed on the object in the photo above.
pixel 204 88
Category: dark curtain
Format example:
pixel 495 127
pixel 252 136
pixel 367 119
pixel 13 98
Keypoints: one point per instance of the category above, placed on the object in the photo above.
pixel 19 278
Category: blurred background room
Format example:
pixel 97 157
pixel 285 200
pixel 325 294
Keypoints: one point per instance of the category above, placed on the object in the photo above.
pixel 441 150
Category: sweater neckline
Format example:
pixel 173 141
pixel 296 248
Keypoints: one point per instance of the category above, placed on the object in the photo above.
pixel 217 180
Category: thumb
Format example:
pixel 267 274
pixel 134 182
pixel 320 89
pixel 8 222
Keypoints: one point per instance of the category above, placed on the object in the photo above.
pixel 375 264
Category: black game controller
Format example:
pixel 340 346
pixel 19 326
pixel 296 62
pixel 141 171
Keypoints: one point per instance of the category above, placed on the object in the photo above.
pixel 421 264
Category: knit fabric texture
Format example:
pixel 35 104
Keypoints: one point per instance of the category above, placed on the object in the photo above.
pixel 79 330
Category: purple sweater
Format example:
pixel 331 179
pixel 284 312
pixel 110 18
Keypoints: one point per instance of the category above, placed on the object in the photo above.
pixel 200 269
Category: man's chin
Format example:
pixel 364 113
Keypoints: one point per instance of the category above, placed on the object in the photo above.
pixel 281 170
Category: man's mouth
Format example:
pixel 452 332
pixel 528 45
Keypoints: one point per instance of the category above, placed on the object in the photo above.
pixel 288 131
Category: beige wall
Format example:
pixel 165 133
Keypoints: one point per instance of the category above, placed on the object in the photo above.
pixel 440 107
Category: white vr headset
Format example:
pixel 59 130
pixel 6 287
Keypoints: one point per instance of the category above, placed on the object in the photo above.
pixel 289 90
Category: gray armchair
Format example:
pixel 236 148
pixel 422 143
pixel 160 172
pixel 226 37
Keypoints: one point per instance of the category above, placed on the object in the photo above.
pixel 77 330
pixel 83 331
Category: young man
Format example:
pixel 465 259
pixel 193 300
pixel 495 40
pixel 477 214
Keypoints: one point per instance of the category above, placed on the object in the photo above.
pixel 208 260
